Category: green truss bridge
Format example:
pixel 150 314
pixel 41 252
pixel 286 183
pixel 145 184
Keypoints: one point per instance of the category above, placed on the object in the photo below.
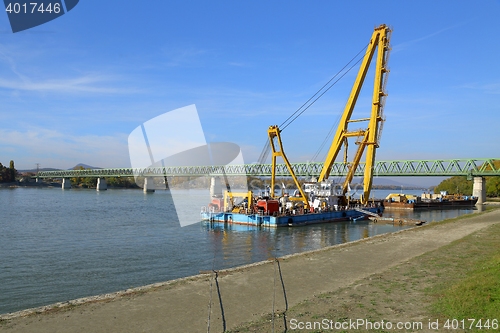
pixel 455 167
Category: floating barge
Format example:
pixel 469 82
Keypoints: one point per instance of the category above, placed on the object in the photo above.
pixel 319 200
pixel 428 201
pixel 286 211
pixel 287 220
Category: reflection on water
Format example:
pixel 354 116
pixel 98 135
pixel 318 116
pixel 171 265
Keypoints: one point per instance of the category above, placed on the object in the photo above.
pixel 256 243
pixel 234 242
pixel 58 245
pixel 432 215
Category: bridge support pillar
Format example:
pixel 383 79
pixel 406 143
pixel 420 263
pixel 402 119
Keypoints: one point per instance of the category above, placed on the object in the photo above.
pixel 101 184
pixel 149 186
pixel 479 190
pixel 66 183
pixel 215 187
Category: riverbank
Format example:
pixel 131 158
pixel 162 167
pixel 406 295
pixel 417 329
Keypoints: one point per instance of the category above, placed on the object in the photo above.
pixel 454 288
pixel 237 297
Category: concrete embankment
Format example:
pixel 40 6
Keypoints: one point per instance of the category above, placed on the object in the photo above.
pixel 246 293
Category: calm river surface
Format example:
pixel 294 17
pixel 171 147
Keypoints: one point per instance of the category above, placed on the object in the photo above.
pixel 60 245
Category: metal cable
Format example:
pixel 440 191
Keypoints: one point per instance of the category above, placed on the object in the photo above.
pixel 321 95
pixel 277 271
pixel 335 125
pixel 265 150
pixel 223 316
pixel 288 121
pixel 274 291
pixel 211 289
pixel 285 298
pixel 315 156
pixel 210 304
pixel 264 153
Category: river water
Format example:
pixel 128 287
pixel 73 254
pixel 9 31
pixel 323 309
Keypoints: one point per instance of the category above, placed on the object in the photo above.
pixel 60 245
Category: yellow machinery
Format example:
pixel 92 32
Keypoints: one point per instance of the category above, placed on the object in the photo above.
pixel 229 200
pixel 368 138
pixel 274 133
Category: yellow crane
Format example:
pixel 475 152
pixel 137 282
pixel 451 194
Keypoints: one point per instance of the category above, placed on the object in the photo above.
pixel 277 148
pixel 367 138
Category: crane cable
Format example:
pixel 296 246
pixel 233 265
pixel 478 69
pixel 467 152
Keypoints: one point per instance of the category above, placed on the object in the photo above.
pixel 321 91
pixel 315 156
pixel 379 133
pixel 265 151
pixel 334 125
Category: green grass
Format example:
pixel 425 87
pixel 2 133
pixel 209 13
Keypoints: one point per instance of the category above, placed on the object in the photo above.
pixel 458 281
pixel 476 296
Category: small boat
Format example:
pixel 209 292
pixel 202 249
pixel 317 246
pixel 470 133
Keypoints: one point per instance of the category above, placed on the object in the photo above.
pixel 396 221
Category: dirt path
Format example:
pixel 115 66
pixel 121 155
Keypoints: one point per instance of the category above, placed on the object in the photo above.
pixel 249 293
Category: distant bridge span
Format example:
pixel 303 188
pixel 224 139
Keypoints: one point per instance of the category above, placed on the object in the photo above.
pixel 455 167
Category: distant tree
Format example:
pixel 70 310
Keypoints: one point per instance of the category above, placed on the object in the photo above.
pixel 77 180
pixel 7 175
pixel 83 181
pixel 493 183
pixel 126 182
pixel 460 184
pixel 493 187
pixel 255 183
pixel 90 182
pixel 12 171
pixel 455 184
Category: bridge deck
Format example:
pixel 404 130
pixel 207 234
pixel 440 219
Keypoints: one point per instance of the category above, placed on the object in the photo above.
pixel 455 167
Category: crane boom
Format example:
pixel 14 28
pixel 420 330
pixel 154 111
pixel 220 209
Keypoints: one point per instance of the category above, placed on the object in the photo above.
pixel 369 138
pixel 277 148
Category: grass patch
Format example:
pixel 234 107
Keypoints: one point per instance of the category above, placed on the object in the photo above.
pixel 476 296
pixel 460 280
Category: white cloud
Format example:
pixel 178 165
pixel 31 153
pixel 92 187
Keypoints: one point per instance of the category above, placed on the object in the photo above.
pixel 487 88
pixel 28 70
pixel 90 83
pixel 183 56
pixel 60 150
pixel 410 43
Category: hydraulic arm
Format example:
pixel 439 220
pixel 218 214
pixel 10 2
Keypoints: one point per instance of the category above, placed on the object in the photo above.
pixel 368 138
pixel 277 148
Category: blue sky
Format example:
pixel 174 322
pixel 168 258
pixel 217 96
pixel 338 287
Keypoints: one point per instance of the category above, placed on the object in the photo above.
pixel 73 89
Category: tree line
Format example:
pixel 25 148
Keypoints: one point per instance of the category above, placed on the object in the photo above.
pixel 460 185
pixel 91 182
pixel 8 174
